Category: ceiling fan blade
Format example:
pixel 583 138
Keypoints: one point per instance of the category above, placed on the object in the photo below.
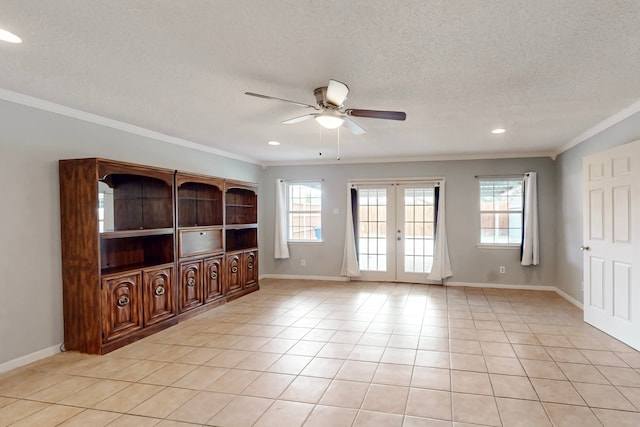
pixel 298 119
pixel 300 104
pixel 337 92
pixel 353 127
pixel 375 114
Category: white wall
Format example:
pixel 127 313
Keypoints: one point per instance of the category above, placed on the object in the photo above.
pixel 469 263
pixel 31 143
pixel 569 201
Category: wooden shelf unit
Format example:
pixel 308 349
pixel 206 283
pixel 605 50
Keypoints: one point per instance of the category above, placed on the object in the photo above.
pixel 241 236
pixel 118 250
pixel 143 247
pixel 200 212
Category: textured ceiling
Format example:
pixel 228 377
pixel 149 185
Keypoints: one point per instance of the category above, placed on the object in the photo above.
pixel 546 70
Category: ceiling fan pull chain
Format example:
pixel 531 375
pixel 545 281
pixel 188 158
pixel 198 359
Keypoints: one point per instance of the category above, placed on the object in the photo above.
pixel 338 143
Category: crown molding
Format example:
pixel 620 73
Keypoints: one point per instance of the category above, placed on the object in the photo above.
pixel 452 157
pixel 603 125
pixel 40 104
pixel 52 107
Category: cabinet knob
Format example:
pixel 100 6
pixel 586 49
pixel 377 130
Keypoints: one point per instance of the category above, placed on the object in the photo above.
pixel 214 275
pixel 123 300
pixel 159 290
pixel 191 282
pixel 234 269
pixel 250 266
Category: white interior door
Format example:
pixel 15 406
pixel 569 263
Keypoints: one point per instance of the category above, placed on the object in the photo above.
pixel 396 232
pixel 611 225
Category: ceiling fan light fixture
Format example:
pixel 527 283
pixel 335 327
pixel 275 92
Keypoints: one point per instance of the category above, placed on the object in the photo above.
pixel 9 37
pixel 329 121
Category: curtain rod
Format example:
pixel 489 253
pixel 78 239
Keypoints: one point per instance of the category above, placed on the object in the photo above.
pixel 393 180
pixel 302 180
pixel 512 175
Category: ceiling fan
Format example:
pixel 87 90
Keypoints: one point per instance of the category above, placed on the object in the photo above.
pixel 330 112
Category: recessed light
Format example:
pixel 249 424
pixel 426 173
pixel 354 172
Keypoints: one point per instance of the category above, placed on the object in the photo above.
pixel 273 143
pixel 499 130
pixel 9 37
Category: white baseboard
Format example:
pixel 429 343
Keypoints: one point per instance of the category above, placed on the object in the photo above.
pixel 560 292
pixel 29 358
pixel 569 298
pixel 304 277
pixel 464 284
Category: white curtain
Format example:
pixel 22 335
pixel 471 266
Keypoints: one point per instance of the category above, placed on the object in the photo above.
pixel 350 266
pixel 281 249
pixel 530 238
pixel 441 263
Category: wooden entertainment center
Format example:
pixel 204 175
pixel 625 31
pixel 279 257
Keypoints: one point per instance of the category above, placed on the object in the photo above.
pixel 144 247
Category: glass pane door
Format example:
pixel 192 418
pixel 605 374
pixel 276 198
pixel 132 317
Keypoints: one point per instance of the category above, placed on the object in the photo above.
pixel 415 235
pixel 376 245
pixel 396 231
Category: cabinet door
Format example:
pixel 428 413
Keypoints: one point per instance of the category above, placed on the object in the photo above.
pixel 200 241
pixel 234 273
pixel 213 279
pixel 250 262
pixel 159 303
pixel 121 305
pixel 190 289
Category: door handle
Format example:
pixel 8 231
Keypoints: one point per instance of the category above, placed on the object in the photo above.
pixel 585 248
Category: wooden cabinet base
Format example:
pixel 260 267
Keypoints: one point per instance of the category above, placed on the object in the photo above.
pixel 156 327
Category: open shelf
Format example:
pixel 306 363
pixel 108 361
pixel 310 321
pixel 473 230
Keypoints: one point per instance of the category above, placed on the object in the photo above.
pixel 241 206
pixel 199 205
pixel 134 202
pixel 241 238
pixel 143 250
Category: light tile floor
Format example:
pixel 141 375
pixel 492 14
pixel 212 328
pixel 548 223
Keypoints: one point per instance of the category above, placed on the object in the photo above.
pixel 346 354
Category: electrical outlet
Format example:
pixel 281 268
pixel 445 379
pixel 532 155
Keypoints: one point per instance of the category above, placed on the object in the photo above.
pixel 303 262
pixel 502 269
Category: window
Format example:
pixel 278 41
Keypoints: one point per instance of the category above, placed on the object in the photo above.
pixel 501 212
pixel 304 212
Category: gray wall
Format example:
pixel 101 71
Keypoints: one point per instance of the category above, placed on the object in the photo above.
pixel 469 263
pixel 31 143
pixel 569 201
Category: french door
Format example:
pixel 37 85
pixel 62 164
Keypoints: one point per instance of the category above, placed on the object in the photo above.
pixel 396 223
pixel 611 184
